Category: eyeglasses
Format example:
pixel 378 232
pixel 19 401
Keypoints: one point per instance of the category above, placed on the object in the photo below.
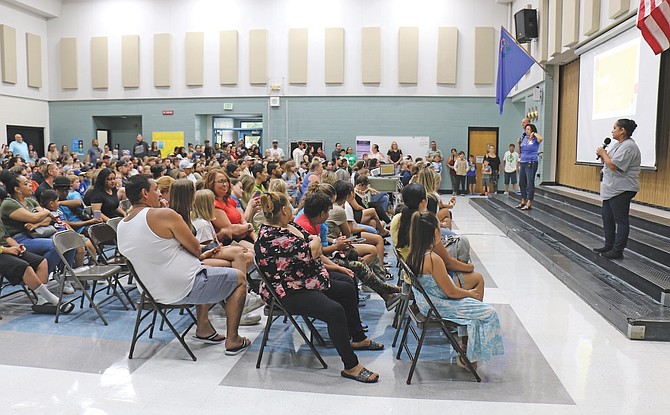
pixel 222 182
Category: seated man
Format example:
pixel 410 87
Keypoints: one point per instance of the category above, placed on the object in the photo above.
pixel 167 257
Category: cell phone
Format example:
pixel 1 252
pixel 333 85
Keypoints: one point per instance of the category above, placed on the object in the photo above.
pixel 256 194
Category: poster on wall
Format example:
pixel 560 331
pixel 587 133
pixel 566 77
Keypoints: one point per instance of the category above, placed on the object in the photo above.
pixel 168 140
pixel 77 146
pixel 415 146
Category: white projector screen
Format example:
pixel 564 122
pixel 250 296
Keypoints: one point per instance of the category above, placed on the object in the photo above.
pixel 618 79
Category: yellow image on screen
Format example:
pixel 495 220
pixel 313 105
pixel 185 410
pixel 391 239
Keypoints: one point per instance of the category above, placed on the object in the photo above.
pixel 616 81
pixel 169 139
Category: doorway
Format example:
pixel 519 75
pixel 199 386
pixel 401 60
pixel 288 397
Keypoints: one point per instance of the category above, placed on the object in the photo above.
pixel 479 140
pixel 31 135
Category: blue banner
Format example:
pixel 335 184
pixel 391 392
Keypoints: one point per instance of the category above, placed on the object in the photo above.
pixel 513 63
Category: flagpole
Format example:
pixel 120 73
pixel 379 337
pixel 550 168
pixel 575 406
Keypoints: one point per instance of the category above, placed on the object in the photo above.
pixel 524 51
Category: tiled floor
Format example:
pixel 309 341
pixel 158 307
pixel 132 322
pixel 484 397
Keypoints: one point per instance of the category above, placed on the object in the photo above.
pixel 562 358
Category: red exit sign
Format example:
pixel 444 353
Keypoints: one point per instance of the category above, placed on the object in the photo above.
pixel 168 112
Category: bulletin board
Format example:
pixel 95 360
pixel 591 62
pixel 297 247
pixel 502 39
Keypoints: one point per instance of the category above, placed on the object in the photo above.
pixel 416 146
pixel 168 140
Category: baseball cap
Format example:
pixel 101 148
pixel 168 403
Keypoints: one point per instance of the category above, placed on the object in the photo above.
pixel 185 164
pixel 248 158
pixel 61 182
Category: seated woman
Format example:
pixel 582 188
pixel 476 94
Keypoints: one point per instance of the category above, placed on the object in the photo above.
pixel 291 260
pixel 20 214
pixel 366 218
pixel 229 222
pixel 430 180
pixel 462 306
pixel 373 198
pixel 104 197
pixel 19 265
pixel 415 200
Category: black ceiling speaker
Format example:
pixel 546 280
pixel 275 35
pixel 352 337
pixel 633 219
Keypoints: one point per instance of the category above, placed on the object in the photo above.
pixel 526 25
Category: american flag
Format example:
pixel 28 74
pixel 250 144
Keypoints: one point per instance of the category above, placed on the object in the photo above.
pixel 653 20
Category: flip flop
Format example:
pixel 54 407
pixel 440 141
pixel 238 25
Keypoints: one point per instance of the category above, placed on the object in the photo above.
pixel 460 363
pixel 526 207
pixel 520 206
pixel 365 376
pixel 47 308
pixel 246 343
pixel 211 339
pixel 373 345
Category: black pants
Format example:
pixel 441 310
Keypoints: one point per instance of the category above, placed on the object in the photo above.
pixel 338 308
pixel 461 184
pixel 615 213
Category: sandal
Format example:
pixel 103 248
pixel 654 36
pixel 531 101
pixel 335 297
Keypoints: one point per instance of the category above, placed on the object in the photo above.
pixel 527 207
pixel 211 339
pixel 520 206
pixel 47 308
pixel 246 343
pixel 373 345
pixel 461 363
pixel 365 376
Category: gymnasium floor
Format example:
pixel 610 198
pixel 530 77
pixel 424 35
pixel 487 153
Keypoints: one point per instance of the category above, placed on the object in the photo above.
pixel 561 358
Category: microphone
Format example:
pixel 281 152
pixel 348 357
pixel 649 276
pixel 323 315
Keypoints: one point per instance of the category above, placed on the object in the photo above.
pixel 606 142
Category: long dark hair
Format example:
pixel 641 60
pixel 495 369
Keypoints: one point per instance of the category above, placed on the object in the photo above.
pixel 421 239
pixel 412 196
pixel 11 182
pixel 101 181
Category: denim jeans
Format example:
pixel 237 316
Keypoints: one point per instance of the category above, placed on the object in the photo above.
pixel 527 173
pixel 616 224
pixel 44 247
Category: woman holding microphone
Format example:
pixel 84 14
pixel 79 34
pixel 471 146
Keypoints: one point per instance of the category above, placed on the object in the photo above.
pixel 529 147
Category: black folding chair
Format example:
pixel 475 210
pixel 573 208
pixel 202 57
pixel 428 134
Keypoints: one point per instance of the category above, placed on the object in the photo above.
pixel 432 320
pixel 27 291
pixel 276 310
pixel 148 306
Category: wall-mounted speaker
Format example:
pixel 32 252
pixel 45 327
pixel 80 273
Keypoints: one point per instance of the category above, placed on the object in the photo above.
pixel 526 25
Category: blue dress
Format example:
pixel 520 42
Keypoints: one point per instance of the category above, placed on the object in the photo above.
pixel 484 339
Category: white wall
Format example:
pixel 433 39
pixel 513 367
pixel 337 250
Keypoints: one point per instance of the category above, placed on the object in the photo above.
pixel 114 18
pixel 25 112
pixel 25 22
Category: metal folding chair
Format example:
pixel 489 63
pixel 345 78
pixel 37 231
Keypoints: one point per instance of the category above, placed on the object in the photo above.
pixel 104 239
pixel 149 307
pixel 432 320
pixel 276 310
pixel 66 241
pixel 114 223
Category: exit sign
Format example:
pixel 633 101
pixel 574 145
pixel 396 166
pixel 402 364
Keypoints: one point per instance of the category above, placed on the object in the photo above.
pixel 228 106
pixel 168 112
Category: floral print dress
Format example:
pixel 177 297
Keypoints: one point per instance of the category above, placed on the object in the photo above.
pixel 287 261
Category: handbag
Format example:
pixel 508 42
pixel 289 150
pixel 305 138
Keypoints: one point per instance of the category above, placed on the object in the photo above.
pixel 42 232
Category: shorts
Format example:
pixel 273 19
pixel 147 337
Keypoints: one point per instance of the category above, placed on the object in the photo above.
pixel 486 181
pixel 510 177
pixel 457 277
pixel 13 267
pixel 472 180
pixel 211 285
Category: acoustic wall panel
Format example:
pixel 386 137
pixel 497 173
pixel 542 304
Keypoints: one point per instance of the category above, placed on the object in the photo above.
pixel 555 24
pixel 99 63
pixel 34 60
pixel 68 63
pixel 618 7
pixel 447 55
pixel 485 48
pixel 228 45
pixel 371 55
pixel 258 57
pixel 591 19
pixel 195 58
pixel 334 56
pixel 8 53
pixel 162 52
pixel 408 55
pixel 130 61
pixel 570 29
pixel 543 41
pixel 297 56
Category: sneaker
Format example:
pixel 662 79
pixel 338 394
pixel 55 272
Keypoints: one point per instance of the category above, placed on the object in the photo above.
pixel 68 288
pixel 363 296
pixel 612 254
pixel 250 319
pixel 601 250
pixel 251 303
pixel 506 193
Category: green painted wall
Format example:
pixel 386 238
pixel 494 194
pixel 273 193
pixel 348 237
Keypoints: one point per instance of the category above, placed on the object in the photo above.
pixel 334 119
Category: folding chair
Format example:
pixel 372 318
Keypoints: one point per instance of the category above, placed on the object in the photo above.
pixel 114 223
pixel 432 320
pixel 103 238
pixel 66 241
pixel 405 296
pixel 148 306
pixel 276 310
pixel 28 292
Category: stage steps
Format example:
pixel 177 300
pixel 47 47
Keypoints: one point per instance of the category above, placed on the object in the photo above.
pixel 560 234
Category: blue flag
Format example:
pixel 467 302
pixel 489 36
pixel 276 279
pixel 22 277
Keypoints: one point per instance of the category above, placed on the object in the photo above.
pixel 513 63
